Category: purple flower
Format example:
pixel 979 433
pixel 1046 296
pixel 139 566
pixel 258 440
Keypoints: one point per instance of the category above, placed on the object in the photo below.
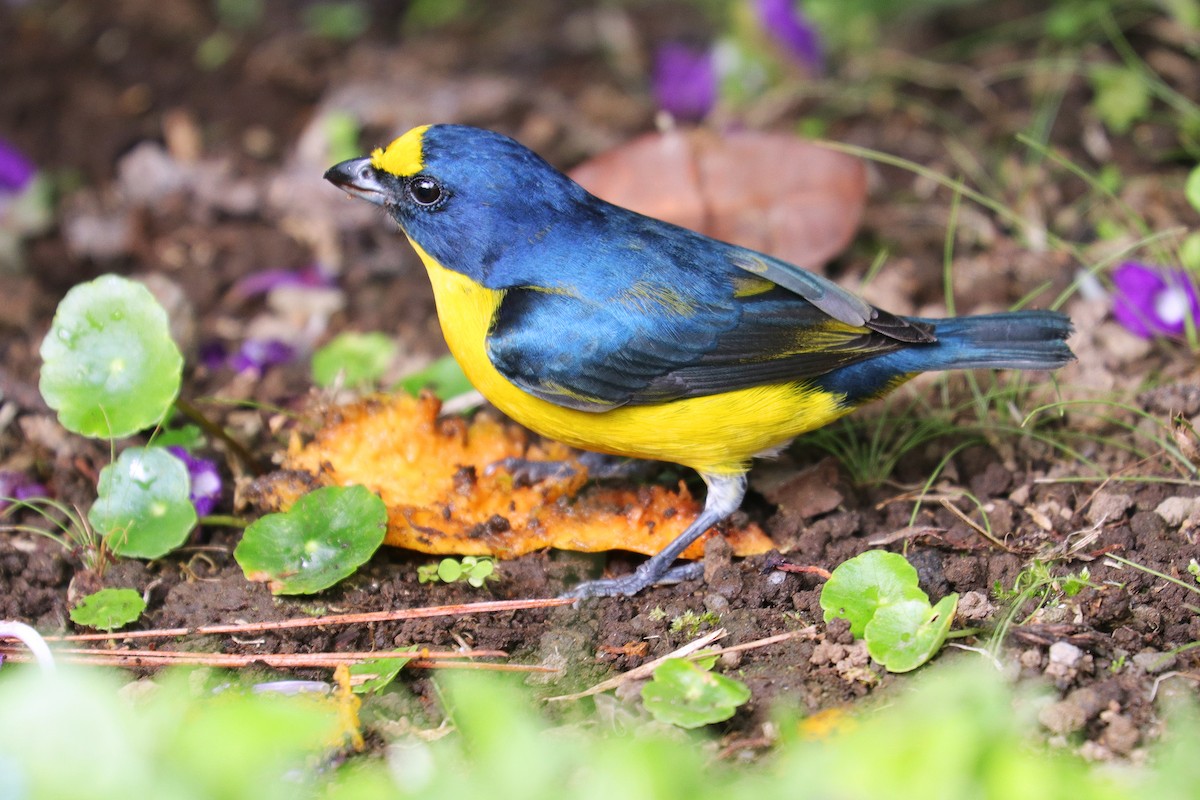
pixel 18 486
pixel 258 354
pixel 254 354
pixel 1154 301
pixel 205 480
pixel 214 354
pixel 15 170
pixel 784 23
pixel 685 81
pixel 314 275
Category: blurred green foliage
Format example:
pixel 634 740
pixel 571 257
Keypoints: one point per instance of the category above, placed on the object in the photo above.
pixel 954 732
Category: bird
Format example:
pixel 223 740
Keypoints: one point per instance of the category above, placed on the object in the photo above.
pixel 624 335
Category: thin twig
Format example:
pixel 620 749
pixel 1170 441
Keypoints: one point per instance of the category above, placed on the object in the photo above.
pixel 953 509
pixel 645 670
pixel 1191 676
pixel 769 640
pixel 491 606
pixel 216 431
pixel 914 495
pixel 117 658
pixel 803 569
pixel 910 532
pixel 333 657
pixel 1166 481
pixel 981 651
pixel 482 666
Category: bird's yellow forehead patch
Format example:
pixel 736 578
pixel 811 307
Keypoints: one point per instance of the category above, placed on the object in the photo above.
pixel 403 157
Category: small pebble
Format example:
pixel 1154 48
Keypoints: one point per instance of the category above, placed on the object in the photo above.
pixel 1031 658
pixel 1120 734
pixel 1108 507
pixel 1065 654
pixel 716 603
pixel 730 660
pixel 974 606
pixel 1174 510
pixel 1153 662
pixel 1071 713
pixel 1063 717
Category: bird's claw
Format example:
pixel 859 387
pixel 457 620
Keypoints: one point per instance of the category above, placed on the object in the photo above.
pixel 635 581
pixel 527 471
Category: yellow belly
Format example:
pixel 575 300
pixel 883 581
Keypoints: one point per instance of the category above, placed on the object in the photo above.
pixel 713 434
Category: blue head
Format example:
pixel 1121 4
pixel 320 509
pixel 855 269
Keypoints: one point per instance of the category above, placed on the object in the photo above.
pixel 468 197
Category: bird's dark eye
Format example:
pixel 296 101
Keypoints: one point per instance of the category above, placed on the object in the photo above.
pixel 425 191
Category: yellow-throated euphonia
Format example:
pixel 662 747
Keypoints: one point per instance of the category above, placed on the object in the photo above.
pixel 621 334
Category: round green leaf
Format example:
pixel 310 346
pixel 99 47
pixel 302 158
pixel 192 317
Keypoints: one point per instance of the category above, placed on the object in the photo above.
pixel 360 358
pixel 110 367
pixel 142 507
pixel 902 636
pixel 450 570
pixel 858 587
pixel 481 570
pixel 444 376
pixel 108 609
pixel 325 536
pixel 685 695
pixel 377 673
pixel 1192 188
pixel 1189 252
pixel 1121 96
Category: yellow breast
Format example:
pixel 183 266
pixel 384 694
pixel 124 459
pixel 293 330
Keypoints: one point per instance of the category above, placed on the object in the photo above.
pixel 714 434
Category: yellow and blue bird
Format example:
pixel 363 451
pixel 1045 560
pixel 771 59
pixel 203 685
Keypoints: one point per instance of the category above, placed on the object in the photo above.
pixel 621 334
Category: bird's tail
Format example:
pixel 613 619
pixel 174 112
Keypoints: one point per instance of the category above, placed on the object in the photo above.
pixel 1008 340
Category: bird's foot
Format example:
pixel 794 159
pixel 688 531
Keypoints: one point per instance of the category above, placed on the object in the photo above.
pixel 528 471
pixel 636 581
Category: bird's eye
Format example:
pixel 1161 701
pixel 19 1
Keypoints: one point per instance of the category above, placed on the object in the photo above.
pixel 425 191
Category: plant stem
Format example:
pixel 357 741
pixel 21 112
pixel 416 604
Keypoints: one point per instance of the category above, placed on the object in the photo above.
pixel 224 520
pixel 217 432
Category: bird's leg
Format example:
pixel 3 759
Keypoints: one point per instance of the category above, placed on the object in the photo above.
pixel 725 493
pixel 599 467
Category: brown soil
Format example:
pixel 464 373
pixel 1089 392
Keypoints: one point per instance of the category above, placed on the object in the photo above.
pixel 86 83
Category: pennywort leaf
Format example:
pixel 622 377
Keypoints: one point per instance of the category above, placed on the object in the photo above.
pixel 377 673
pixel 858 587
pixel 142 508
pixel 444 376
pixel 325 536
pixel 109 609
pixel 689 696
pixel 359 358
pixel 1121 96
pixel 878 593
pixel 903 636
pixel 1191 189
pixel 110 368
pixel 475 570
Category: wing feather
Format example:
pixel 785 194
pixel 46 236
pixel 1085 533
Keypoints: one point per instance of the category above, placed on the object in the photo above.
pixel 659 313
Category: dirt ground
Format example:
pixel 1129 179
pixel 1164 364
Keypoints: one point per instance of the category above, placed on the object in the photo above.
pixel 102 95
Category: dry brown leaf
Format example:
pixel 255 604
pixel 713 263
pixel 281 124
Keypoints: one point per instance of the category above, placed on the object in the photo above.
pixel 431 474
pixel 767 191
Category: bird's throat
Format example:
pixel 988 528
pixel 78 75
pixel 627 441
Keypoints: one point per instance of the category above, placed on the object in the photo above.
pixel 465 310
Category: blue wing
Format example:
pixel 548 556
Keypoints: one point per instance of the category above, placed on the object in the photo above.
pixel 661 313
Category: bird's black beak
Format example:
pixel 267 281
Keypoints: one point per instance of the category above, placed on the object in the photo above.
pixel 358 178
